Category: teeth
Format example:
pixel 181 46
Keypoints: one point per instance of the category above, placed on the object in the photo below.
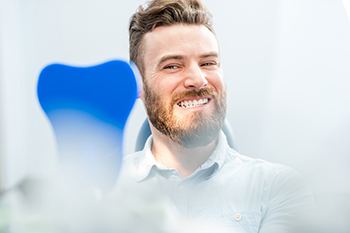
pixel 193 103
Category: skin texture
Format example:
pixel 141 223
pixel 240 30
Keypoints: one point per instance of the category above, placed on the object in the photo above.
pixel 182 64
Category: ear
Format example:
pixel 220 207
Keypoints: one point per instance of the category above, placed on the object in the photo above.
pixel 142 95
pixel 138 79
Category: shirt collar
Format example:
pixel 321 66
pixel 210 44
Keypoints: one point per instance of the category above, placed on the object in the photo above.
pixel 147 164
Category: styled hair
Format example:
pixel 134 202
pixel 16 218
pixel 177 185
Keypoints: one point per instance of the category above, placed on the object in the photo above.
pixel 163 13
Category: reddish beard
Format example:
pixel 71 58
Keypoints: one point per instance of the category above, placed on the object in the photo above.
pixel 203 128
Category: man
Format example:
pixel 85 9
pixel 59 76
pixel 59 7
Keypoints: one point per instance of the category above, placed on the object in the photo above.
pixel 173 44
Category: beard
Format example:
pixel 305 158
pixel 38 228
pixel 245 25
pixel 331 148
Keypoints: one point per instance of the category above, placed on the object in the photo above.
pixel 197 128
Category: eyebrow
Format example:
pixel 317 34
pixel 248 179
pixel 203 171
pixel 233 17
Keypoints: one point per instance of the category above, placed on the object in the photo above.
pixel 170 57
pixel 180 57
pixel 211 54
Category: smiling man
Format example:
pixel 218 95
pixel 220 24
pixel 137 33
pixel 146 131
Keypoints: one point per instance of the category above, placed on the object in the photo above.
pixel 173 44
pixel 183 93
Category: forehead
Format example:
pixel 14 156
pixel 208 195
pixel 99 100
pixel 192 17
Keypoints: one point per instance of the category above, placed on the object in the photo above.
pixel 179 39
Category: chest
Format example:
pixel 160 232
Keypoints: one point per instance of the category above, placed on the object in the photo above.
pixel 234 205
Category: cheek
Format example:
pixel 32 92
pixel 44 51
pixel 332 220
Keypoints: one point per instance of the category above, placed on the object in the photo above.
pixel 161 96
pixel 217 82
pixel 167 86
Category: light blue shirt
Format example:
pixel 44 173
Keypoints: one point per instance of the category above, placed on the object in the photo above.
pixel 241 193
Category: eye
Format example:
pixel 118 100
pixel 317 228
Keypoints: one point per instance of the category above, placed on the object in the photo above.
pixel 171 67
pixel 210 63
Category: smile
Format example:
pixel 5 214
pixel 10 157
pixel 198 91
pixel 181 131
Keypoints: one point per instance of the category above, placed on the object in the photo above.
pixel 193 103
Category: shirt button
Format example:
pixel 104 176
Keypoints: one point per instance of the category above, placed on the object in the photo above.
pixel 237 217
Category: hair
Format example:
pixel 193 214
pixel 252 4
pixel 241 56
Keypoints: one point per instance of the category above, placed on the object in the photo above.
pixel 163 13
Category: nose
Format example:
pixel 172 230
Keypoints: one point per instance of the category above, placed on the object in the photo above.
pixel 195 77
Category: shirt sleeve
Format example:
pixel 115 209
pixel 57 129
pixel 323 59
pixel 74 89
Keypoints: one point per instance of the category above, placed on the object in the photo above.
pixel 287 201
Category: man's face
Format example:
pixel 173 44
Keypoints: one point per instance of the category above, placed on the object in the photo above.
pixel 184 92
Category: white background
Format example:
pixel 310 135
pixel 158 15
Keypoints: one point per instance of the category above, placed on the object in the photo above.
pixel 286 65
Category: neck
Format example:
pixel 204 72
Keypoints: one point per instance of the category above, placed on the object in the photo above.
pixel 173 155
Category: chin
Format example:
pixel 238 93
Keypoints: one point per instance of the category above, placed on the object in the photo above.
pixel 198 135
pixel 194 140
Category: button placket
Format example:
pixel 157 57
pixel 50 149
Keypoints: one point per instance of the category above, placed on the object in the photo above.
pixel 237 216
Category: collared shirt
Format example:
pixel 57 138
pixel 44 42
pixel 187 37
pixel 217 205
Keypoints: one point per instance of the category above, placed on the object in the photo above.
pixel 241 193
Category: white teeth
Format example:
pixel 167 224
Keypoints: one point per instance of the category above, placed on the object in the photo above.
pixel 193 103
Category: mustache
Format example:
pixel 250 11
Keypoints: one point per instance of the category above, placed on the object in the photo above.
pixel 206 91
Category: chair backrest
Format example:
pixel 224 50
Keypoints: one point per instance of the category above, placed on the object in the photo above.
pixel 145 132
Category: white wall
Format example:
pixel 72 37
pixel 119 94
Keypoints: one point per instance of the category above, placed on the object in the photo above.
pixel 286 65
pixel 34 34
pixel 308 106
pixel 13 92
pixel 2 151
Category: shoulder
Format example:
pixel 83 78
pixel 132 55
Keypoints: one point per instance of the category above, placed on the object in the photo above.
pixel 269 176
pixel 257 165
pixel 280 181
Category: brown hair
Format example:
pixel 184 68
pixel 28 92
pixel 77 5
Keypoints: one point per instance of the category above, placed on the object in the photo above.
pixel 163 13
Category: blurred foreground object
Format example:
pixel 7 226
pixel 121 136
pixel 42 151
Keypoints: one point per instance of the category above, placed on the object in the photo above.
pixel 88 108
pixel 61 206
